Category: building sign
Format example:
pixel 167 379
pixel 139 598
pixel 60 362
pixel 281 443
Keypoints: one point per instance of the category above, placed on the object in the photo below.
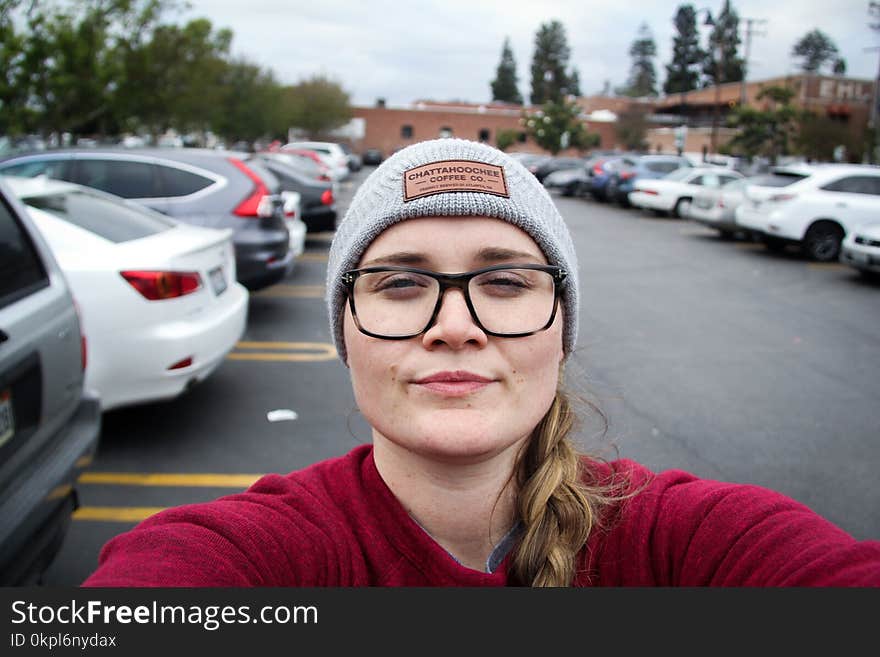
pixel 831 89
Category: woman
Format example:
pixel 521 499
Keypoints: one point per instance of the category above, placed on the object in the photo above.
pixel 453 299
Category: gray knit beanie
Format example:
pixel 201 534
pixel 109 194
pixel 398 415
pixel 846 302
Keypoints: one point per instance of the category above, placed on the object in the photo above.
pixel 450 178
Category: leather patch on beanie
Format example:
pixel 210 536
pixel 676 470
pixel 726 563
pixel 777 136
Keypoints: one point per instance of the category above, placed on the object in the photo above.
pixel 454 176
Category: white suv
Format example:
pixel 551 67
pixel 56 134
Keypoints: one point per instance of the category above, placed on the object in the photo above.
pixel 817 211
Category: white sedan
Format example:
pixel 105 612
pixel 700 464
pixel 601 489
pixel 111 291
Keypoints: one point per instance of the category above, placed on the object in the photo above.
pixel 861 249
pixel 675 192
pixel 158 299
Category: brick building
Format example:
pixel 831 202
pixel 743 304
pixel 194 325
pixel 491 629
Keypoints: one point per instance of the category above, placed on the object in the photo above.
pixel 703 111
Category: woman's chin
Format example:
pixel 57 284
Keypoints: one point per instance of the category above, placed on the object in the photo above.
pixel 454 437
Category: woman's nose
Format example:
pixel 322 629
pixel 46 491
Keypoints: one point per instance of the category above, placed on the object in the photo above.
pixel 454 324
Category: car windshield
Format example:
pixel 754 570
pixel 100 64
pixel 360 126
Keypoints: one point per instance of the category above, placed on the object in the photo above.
pixel 734 185
pixel 777 179
pixel 679 174
pixel 116 221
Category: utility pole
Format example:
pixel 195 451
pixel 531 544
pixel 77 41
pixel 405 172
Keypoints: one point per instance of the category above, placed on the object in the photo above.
pixel 873 123
pixel 750 31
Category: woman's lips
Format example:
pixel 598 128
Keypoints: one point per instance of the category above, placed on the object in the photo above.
pixel 453 384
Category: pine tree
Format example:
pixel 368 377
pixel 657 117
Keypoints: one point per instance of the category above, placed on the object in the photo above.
pixel 816 48
pixel 550 80
pixel 722 62
pixel 504 86
pixel 682 73
pixel 642 77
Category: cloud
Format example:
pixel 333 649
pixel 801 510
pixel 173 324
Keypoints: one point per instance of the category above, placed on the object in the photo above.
pixel 450 50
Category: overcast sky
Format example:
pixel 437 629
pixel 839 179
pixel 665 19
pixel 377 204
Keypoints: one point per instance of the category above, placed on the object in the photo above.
pixel 450 49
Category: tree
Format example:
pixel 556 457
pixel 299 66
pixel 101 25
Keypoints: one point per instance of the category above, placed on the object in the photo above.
pixel 682 73
pixel 505 138
pixel 249 106
pixel 642 77
pixel 557 125
pixel 504 86
pixel 816 49
pixel 839 67
pixel 317 106
pixel 631 129
pixel 174 79
pixel 722 62
pixel 770 132
pixel 550 80
pixel 818 137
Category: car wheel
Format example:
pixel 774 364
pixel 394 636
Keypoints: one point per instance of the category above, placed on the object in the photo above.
pixel 682 207
pixel 822 242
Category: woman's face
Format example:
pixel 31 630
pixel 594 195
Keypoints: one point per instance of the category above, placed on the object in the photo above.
pixel 462 422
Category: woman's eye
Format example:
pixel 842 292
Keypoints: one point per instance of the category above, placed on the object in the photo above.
pixel 398 282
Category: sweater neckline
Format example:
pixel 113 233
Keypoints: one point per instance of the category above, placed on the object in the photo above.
pixel 415 544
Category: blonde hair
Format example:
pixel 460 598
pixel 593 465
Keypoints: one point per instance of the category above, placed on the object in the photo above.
pixel 556 502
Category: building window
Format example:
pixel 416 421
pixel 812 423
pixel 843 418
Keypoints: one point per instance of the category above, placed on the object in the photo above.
pixel 406 131
pixel 484 135
pixel 445 132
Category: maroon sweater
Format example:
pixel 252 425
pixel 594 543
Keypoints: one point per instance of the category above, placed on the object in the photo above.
pixel 336 523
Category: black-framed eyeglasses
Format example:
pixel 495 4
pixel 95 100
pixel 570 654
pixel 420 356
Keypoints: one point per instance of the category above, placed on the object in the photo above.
pixel 511 301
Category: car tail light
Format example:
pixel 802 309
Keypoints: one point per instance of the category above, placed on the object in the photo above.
pixel 651 192
pixel 720 202
pixel 258 203
pixel 626 175
pixel 158 285
pixel 777 198
pixel 327 197
pixel 597 169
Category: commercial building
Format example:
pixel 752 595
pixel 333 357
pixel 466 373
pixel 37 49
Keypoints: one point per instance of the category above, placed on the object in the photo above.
pixel 702 112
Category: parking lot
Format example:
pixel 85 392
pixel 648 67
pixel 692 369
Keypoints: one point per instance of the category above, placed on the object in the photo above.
pixel 718 357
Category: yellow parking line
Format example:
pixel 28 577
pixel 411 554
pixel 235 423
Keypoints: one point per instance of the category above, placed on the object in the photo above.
pixel 168 479
pixel 313 257
pixel 293 291
pixel 116 513
pixel 749 245
pixel 833 266
pixel 302 351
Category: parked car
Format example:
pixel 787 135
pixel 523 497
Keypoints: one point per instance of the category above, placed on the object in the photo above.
pixel 317 197
pixel 158 298
pixel 817 211
pixel 312 164
pixel 569 182
pixel 716 207
pixel 642 167
pixel 674 192
pixel 551 164
pixel 204 187
pixel 600 170
pixel 372 157
pixel 861 249
pixel 355 162
pixel 49 422
pixel 331 152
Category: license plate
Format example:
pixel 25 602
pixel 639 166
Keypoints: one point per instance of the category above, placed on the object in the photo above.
pixel 218 280
pixel 7 421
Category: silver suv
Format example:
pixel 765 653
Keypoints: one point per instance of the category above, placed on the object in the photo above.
pixel 49 426
pixel 217 189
